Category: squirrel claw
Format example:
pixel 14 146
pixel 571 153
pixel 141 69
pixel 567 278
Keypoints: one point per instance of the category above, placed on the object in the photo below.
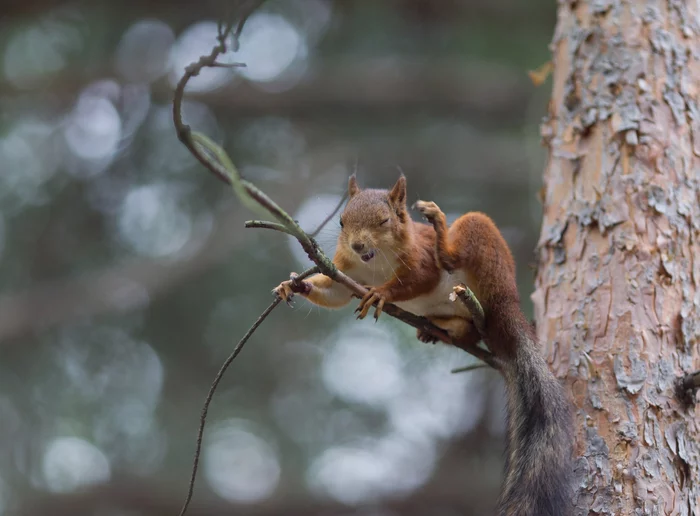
pixel 426 337
pixel 380 307
pixel 428 209
pixel 372 297
pixel 286 290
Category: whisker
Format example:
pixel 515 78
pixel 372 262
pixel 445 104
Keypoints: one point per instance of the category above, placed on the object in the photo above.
pixel 374 271
pixel 311 308
pixel 399 258
pixel 335 231
pixel 391 267
pixel 327 235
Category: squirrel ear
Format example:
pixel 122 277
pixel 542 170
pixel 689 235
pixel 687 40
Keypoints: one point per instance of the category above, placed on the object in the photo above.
pixel 397 195
pixel 352 186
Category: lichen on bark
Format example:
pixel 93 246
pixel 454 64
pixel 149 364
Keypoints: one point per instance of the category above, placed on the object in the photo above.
pixel 617 298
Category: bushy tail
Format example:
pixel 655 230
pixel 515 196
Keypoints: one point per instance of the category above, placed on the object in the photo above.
pixel 539 463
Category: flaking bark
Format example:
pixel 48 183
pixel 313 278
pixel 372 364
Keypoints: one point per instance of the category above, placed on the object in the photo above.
pixel 618 287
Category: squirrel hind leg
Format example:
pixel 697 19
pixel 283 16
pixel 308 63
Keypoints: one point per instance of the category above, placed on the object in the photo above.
pixel 426 337
pixel 429 210
pixel 456 327
pixel 436 217
pixel 463 333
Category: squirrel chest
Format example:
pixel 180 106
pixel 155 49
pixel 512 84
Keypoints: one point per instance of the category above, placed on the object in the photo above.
pixel 435 303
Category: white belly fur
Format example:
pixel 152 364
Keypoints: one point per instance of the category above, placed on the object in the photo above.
pixel 437 303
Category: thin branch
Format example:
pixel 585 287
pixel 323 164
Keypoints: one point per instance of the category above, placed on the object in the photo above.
pixel 263 224
pixel 472 303
pixel 228 65
pixel 217 161
pixel 219 376
pixel 468 298
pixel 254 6
pixel 247 192
pixel 480 353
pixel 296 278
pixel 184 132
pixel 332 214
pixel 210 395
pixel 470 367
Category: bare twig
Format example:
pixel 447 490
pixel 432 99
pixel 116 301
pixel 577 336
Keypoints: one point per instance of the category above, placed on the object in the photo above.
pixel 263 224
pixel 217 379
pixel 184 132
pixel 332 214
pixel 253 6
pixel 227 65
pixel 210 395
pixel 296 278
pixel 472 303
pixel 217 161
pixel 467 297
pixel 470 367
pixel 480 353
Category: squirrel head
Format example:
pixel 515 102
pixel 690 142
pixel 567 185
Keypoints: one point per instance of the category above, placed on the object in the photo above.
pixel 374 220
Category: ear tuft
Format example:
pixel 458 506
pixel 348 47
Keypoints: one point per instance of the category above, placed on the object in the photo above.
pixel 397 195
pixel 352 186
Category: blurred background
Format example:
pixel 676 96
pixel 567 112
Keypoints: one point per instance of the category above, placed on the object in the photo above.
pixel 126 276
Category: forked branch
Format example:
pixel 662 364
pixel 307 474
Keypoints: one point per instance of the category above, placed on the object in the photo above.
pixel 462 293
pixel 215 159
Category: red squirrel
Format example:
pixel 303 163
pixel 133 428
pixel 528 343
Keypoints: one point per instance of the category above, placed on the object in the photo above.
pixel 416 267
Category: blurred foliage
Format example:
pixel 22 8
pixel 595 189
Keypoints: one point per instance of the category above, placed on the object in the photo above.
pixel 127 277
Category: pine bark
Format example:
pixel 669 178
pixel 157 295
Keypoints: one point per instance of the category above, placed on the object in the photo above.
pixel 618 287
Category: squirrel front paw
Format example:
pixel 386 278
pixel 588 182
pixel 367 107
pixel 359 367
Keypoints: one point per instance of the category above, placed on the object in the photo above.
pixel 428 209
pixel 287 289
pixel 373 296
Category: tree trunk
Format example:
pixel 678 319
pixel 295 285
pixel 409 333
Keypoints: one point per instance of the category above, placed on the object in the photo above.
pixel 618 286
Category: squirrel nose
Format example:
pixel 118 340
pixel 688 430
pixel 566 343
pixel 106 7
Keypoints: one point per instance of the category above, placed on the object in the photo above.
pixel 358 247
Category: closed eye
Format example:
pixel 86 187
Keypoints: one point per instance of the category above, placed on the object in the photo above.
pixel 383 222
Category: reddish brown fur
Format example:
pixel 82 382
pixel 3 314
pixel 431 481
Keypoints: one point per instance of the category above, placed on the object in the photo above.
pixel 538 464
pixel 472 244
